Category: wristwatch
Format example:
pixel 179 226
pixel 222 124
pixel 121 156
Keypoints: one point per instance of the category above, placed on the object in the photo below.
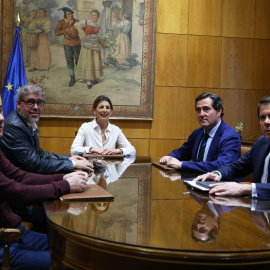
pixel 218 173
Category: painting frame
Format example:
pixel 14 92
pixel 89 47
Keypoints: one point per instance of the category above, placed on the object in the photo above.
pixel 144 108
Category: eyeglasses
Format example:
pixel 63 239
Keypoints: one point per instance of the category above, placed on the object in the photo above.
pixel 31 103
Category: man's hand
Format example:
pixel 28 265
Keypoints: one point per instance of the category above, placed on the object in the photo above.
pixel 80 174
pixel 174 163
pixel 208 176
pixel 77 158
pixel 231 201
pixel 84 165
pixel 164 159
pixel 230 189
pixel 173 176
pixel 76 183
pixel 171 162
pixel 77 208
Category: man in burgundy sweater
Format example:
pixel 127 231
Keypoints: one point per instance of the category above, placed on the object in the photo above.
pixel 18 187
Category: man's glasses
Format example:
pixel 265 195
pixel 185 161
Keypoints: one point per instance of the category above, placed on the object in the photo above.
pixel 31 103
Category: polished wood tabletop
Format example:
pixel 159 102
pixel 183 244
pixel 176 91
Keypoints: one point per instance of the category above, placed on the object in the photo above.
pixel 157 222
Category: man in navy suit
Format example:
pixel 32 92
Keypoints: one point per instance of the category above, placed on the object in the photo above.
pixel 221 144
pixel 256 160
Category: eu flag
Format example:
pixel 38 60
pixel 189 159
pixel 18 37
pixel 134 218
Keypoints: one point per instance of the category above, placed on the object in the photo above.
pixel 15 77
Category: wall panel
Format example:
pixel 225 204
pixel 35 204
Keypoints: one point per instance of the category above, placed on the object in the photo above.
pixel 170 113
pixel 56 144
pixel 262 19
pixel 170 21
pixel 237 63
pixel 205 17
pixel 204 61
pixel 262 64
pixel 238 18
pixel 219 46
pixel 163 147
pixel 241 106
pixel 171 60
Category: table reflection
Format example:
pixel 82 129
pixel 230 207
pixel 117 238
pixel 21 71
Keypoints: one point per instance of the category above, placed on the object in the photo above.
pixel 156 209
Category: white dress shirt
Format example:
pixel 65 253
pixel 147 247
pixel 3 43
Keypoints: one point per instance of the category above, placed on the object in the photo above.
pixel 209 141
pixel 89 135
pixel 264 176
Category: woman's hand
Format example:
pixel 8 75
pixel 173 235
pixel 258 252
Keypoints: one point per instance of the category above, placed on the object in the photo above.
pixel 106 151
pixel 111 151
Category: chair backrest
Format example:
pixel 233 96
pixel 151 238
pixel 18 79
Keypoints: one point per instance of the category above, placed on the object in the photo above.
pixel 249 177
pixel 6 237
pixel 244 149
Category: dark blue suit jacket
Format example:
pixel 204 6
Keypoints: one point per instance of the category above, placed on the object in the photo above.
pixel 225 148
pixel 251 161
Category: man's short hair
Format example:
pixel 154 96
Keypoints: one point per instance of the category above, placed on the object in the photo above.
pixel 216 101
pixel 29 89
pixel 265 100
pixel 44 10
pixel 95 11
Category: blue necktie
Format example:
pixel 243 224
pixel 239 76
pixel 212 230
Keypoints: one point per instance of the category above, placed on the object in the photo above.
pixel 202 147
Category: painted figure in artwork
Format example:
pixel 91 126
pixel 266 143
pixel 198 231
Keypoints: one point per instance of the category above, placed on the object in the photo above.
pixel 71 41
pixel 40 54
pixel 123 49
pixel 26 49
pixel 90 63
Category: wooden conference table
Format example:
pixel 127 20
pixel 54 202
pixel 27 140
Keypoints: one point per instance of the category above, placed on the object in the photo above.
pixel 156 222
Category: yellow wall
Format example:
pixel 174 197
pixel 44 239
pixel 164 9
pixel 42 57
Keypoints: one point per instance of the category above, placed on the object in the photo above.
pixel 220 46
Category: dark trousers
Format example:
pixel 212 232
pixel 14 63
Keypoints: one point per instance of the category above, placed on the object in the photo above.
pixel 72 54
pixel 31 252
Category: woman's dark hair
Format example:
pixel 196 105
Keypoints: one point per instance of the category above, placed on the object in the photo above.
pixel 216 101
pixel 101 98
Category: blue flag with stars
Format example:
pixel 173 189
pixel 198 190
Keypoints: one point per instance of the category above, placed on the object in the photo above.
pixel 15 77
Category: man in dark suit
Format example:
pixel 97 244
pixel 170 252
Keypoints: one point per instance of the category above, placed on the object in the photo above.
pixel 213 144
pixel 256 160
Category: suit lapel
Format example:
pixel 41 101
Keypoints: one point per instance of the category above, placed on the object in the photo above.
pixel 215 143
pixel 258 156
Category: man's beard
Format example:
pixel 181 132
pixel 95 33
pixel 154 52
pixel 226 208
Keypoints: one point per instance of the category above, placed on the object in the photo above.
pixel 31 120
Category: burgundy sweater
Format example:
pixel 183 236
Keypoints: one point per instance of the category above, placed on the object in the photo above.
pixel 17 186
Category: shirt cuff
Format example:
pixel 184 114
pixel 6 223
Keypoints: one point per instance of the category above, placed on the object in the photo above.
pixel 253 205
pixel 74 164
pixel 254 190
pixel 218 173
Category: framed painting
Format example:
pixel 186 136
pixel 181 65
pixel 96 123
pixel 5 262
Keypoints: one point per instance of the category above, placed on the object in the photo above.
pixel 77 50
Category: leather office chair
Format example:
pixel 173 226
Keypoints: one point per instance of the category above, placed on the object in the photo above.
pixel 7 236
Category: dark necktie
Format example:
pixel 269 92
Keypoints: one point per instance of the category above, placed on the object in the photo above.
pixel 202 147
